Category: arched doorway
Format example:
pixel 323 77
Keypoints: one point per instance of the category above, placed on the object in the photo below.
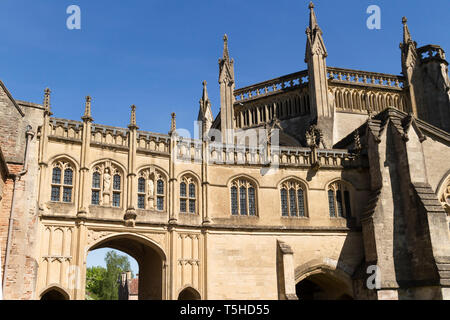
pixel 189 294
pixel 150 258
pixel 324 284
pixel 54 293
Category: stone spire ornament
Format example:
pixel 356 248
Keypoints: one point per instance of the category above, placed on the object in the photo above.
pixel 227 84
pixel 313 25
pixel 132 124
pixel 205 113
pixel 315 44
pixel 226 54
pixel 406 34
pixel 87 110
pixel 47 93
pixel 173 123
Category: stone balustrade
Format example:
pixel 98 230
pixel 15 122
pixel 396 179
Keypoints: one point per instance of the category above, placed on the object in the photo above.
pixel 431 52
pixel 191 151
pixel 270 87
pixel 362 92
pixel 364 78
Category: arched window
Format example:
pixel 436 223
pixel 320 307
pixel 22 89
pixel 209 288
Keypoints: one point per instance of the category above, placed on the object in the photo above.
pixel 160 195
pixel 188 195
pixel 151 190
pixel 62 180
pixel 293 203
pixel 96 188
pixel 339 202
pixel 243 198
pixel 117 189
pixel 141 193
pixel 106 189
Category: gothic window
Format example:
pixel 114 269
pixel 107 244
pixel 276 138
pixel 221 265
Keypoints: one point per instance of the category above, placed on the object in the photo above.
pixel 188 195
pixel 339 202
pixel 141 193
pixel 62 182
pixel 95 188
pixel 160 195
pixel 151 193
pixel 116 190
pixel 106 188
pixel 243 198
pixel 293 202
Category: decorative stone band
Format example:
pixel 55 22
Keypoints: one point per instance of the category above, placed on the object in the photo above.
pixel 188 150
pixel 365 78
pixel 431 52
pixel 274 86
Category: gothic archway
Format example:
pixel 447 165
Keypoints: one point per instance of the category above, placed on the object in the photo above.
pixel 323 282
pixel 189 294
pixel 54 293
pixel 150 258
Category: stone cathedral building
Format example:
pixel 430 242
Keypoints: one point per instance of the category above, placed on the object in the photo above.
pixel 344 195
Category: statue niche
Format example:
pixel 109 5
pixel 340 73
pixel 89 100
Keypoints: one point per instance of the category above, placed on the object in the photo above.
pixel 106 187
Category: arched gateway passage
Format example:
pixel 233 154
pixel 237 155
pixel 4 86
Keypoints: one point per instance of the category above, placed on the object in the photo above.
pixel 150 258
pixel 54 293
pixel 324 284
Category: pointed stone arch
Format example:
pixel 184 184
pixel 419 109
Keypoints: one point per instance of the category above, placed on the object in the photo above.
pixel 189 293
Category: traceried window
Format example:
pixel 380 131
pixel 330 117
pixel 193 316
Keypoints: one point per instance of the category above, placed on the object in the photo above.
pixel 96 188
pixel 160 195
pixel 188 195
pixel 151 193
pixel 141 193
pixel 293 199
pixel 243 198
pixel 62 182
pixel 107 185
pixel 116 190
pixel 339 202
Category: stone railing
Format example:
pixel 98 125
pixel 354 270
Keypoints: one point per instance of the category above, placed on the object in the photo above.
pixel 364 78
pixel 362 92
pixel 273 86
pixel 62 128
pixel 191 151
pixel 107 135
pixel 431 52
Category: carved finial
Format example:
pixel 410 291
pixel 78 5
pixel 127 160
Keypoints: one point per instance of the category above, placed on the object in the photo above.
pixel 87 110
pixel 132 124
pixel 205 91
pixel 226 55
pixel 173 124
pixel 312 18
pixel 406 34
pixel 47 101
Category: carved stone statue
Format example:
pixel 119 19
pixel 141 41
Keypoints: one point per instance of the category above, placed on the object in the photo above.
pixel 150 187
pixel 106 181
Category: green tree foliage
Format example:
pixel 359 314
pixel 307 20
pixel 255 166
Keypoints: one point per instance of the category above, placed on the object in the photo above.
pixel 101 283
pixel 94 282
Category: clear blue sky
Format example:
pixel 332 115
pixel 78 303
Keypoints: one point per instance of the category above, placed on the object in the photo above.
pixel 97 258
pixel 155 54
